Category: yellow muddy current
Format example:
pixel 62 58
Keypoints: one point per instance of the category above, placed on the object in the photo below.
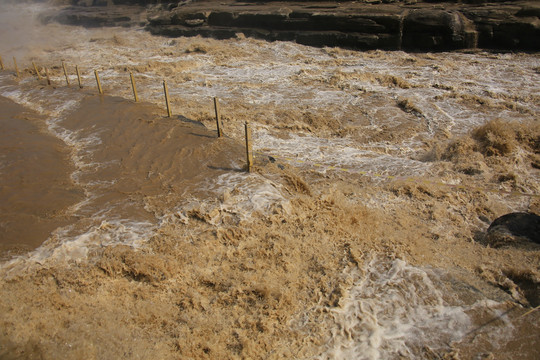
pixel 36 188
pixel 359 234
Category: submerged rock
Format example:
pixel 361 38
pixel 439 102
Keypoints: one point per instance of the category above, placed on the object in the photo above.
pixel 513 229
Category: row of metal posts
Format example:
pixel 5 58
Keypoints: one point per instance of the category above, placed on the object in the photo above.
pixel 247 128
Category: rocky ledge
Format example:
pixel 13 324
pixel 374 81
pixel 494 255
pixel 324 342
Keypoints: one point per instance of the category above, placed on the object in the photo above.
pixel 372 24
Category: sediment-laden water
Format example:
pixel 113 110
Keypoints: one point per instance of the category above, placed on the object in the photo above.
pixel 129 234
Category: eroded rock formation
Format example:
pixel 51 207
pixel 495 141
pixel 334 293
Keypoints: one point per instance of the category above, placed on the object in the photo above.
pixel 389 25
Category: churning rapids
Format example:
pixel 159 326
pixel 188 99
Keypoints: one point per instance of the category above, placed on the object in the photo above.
pixel 128 234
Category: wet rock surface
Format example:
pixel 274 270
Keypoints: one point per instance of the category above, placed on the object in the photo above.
pixel 389 25
pixel 514 229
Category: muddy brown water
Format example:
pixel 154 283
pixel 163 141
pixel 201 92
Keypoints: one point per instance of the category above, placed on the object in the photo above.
pixel 133 152
pixel 127 153
pixel 292 281
pixel 361 237
pixel 35 185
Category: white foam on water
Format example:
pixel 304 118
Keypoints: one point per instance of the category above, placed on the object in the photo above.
pixel 96 227
pixel 250 193
pixel 67 244
pixel 241 195
pixel 392 310
pixel 51 102
pixel 494 310
pixel 306 150
pixel 284 75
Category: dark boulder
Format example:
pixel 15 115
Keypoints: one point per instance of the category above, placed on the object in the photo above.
pixel 514 229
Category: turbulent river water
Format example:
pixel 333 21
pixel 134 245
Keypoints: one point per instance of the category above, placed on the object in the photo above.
pixel 125 233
